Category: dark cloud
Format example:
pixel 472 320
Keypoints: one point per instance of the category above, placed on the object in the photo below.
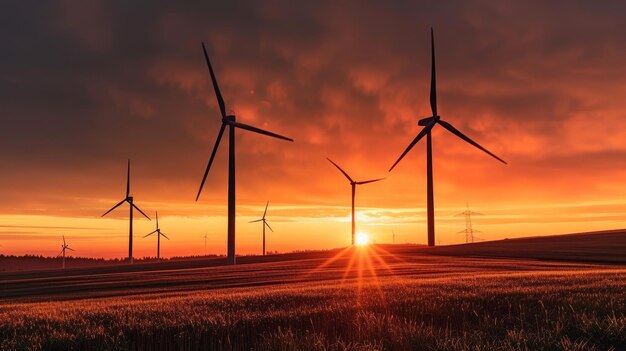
pixel 84 86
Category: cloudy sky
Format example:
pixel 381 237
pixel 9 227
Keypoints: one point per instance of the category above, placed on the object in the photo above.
pixel 85 85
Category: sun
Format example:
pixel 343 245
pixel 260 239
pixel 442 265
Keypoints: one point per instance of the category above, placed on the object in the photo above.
pixel 361 239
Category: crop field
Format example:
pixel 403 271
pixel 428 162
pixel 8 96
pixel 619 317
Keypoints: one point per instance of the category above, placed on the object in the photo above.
pixel 396 297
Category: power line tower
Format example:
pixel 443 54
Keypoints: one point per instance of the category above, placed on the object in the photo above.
pixel 469 231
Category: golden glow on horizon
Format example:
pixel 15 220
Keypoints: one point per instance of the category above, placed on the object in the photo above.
pixel 362 239
pixel 298 227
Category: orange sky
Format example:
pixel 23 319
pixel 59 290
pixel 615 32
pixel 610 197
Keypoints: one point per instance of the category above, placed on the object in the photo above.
pixel 86 86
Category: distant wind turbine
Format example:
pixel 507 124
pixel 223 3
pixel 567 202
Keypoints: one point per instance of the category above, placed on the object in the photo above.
pixel 205 237
pixel 64 247
pixel 128 199
pixel 159 234
pixel 353 184
pixel 264 225
pixel 428 123
pixel 229 120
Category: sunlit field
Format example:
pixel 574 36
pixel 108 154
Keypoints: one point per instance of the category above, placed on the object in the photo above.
pixel 370 297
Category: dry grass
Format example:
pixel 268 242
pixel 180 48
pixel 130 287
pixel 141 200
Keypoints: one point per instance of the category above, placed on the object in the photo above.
pixel 361 301
pixel 607 246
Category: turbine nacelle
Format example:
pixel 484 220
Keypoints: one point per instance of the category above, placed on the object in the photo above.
pixel 428 120
pixel 228 119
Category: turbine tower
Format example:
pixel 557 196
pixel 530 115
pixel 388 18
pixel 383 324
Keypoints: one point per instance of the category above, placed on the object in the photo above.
pixel 353 184
pixel 229 120
pixel 159 235
pixel 264 225
pixel 469 231
pixel 132 206
pixel 64 247
pixel 428 123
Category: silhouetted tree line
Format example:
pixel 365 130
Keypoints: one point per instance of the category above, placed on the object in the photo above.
pixel 10 263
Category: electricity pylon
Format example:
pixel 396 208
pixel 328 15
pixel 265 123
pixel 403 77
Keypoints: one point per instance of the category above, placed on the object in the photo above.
pixel 469 231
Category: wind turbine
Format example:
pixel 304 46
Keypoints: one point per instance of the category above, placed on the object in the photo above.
pixel 128 199
pixel 64 247
pixel 229 120
pixel 159 235
pixel 264 224
pixel 205 237
pixel 428 123
pixel 353 183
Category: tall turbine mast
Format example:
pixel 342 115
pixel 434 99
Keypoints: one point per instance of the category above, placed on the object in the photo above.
pixel 429 123
pixel 229 120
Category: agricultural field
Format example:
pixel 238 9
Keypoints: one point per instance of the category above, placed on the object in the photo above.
pixel 376 297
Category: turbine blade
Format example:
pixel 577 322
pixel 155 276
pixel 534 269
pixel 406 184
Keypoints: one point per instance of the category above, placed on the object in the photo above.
pixel 69 248
pixel 264 222
pixel 149 233
pixel 218 94
pixel 341 170
pixel 157 218
pixel 258 220
pixel 433 76
pixel 128 179
pixel 63 240
pixel 114 207
pixel 265 212
pixel 419 136
pixel 369 181
pixel 206 172
pixel 456 132
pixel 140 211
pixel 165 236
pixel 258 130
